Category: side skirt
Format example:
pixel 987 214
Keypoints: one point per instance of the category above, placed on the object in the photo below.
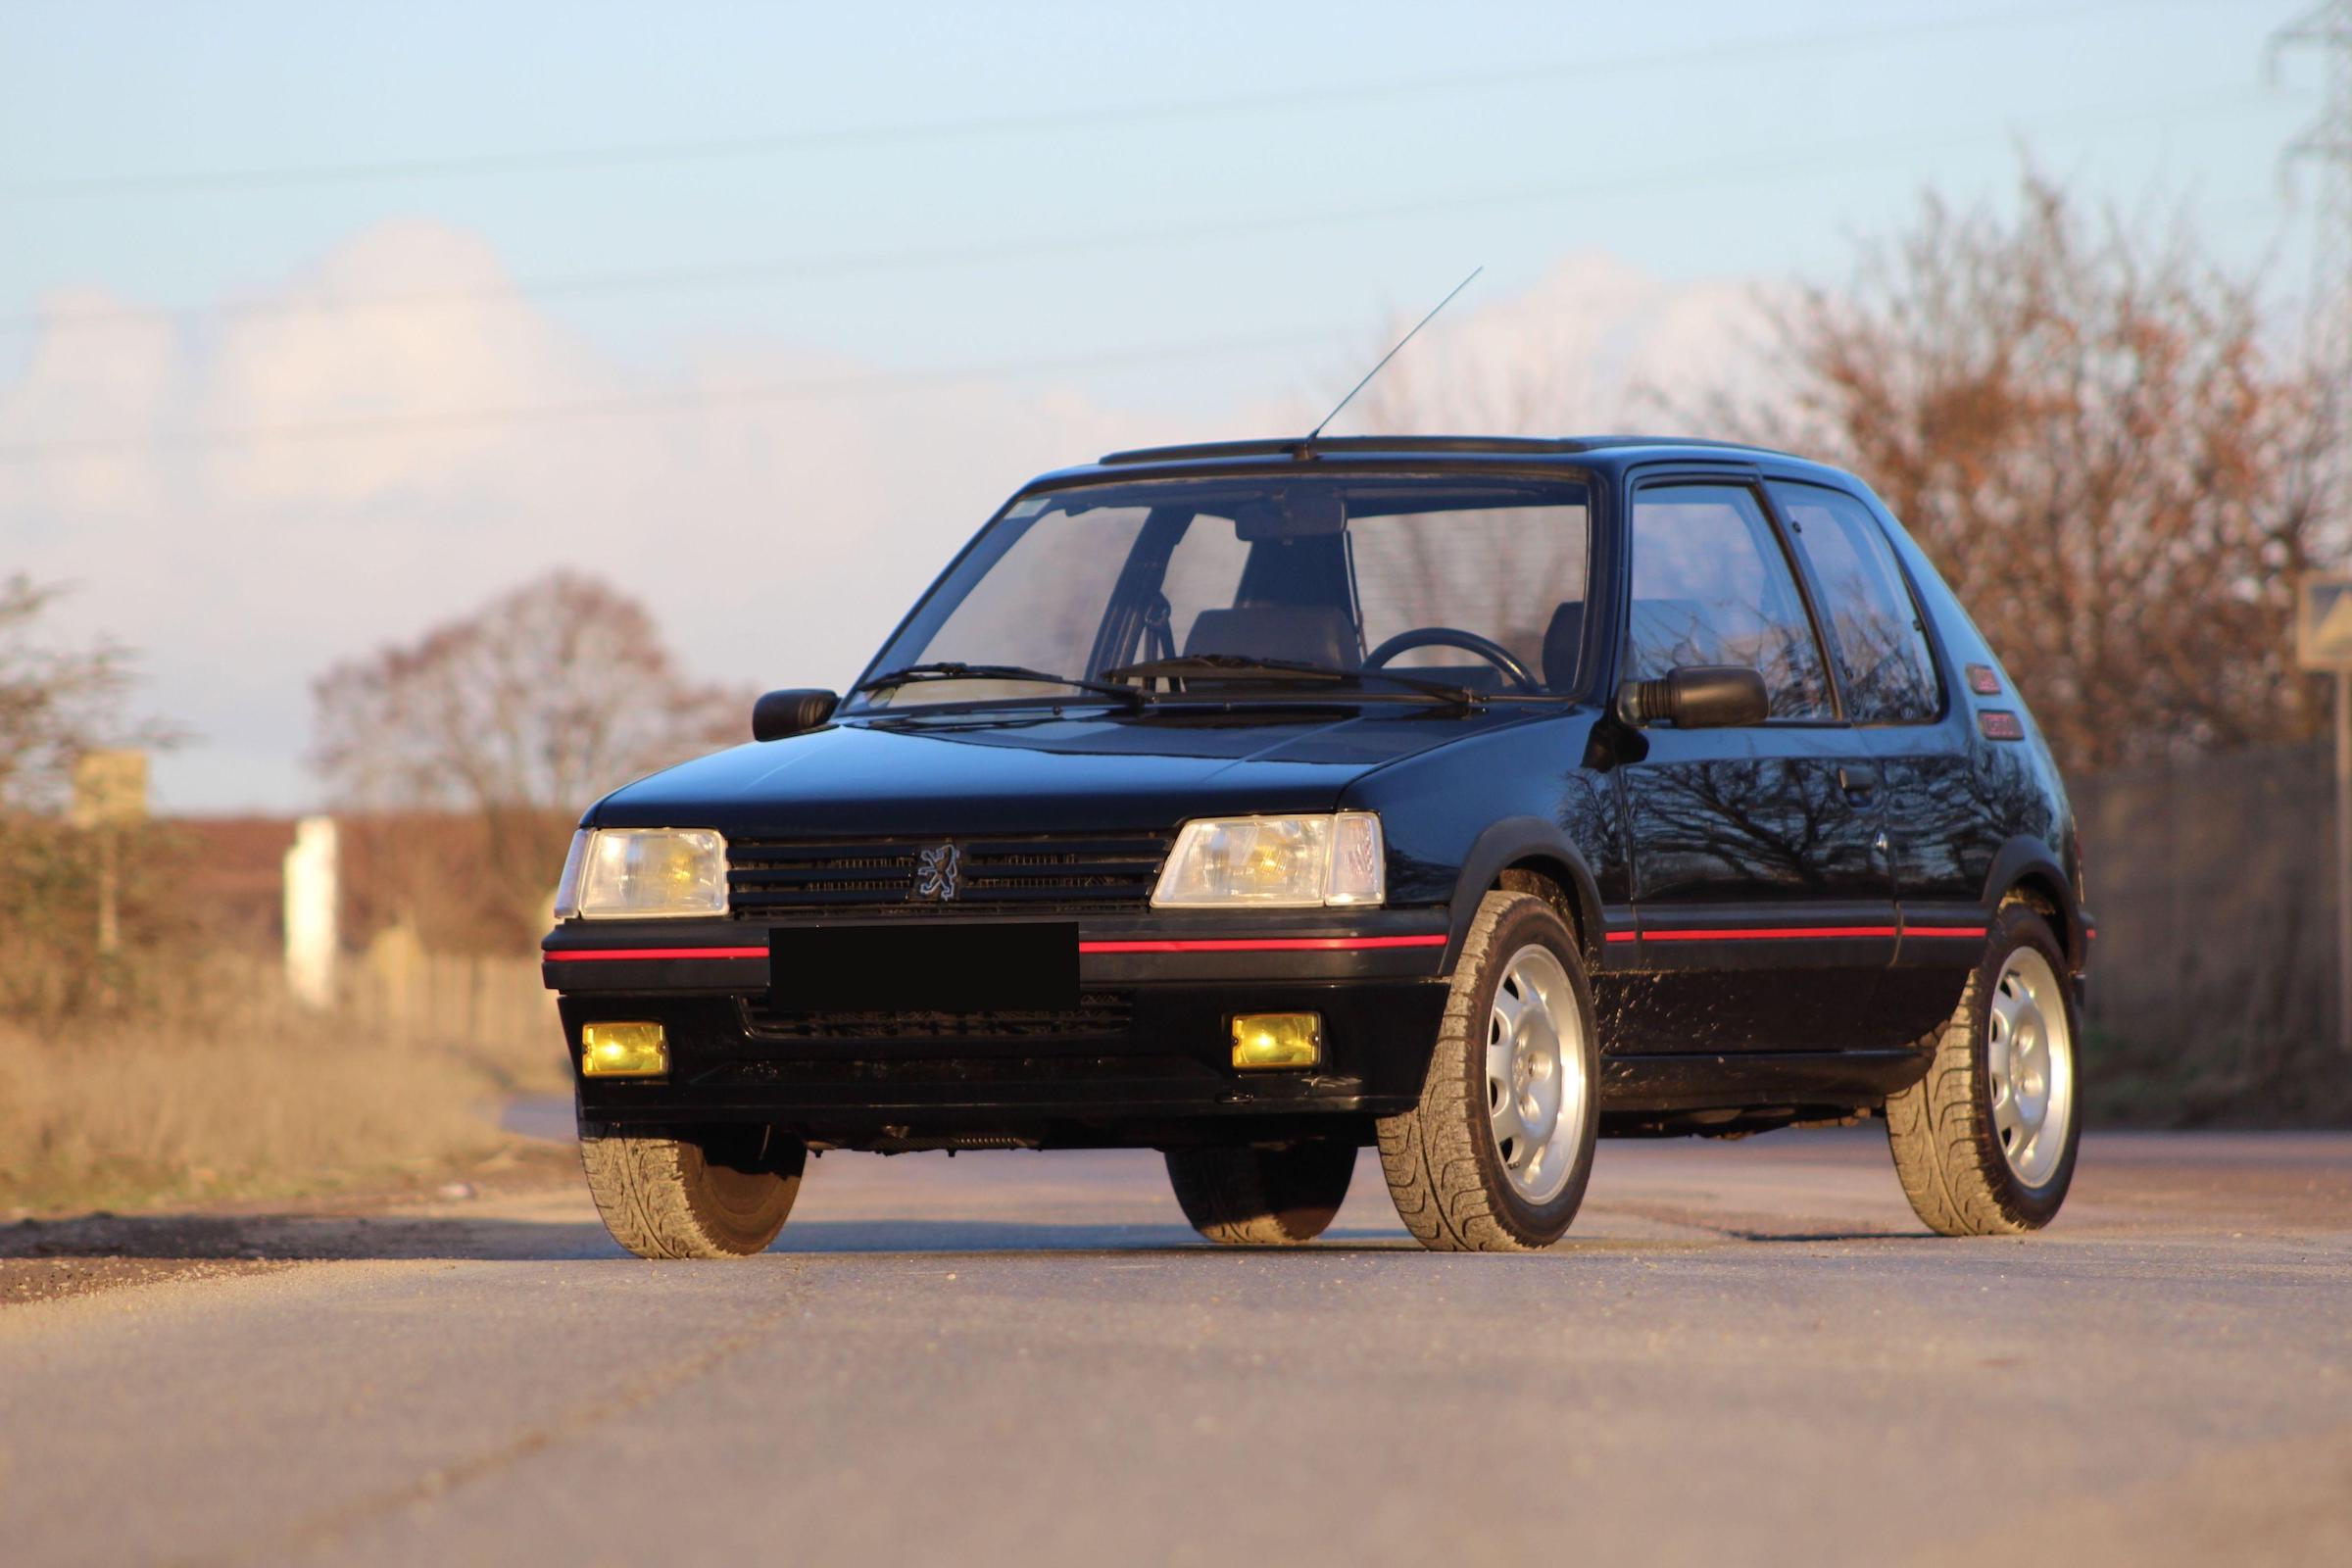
pixel 1762 1080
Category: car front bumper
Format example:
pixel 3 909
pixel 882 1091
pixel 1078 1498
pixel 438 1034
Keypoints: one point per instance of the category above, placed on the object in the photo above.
pixel 1145 1059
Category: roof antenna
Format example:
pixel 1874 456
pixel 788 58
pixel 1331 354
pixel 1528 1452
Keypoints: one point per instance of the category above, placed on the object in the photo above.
pixel 1392 354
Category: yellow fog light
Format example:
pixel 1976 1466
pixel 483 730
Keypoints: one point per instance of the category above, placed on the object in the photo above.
pixel 623 1051
pixel 1277 1039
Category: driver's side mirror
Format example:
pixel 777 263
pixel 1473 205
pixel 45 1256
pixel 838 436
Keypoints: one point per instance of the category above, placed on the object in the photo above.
pixel 777 715
pixel 1697 697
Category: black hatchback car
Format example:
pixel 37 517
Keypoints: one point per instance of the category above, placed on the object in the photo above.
pixel 1257 803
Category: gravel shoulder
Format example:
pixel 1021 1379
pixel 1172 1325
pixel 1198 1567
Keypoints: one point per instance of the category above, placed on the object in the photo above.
pixel 51 1259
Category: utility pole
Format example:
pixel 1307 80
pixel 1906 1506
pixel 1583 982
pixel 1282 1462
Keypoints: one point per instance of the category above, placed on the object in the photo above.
pixel 2326 28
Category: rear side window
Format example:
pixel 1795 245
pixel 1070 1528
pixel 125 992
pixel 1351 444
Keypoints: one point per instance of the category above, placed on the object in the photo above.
pixel 1874 628
pixel 1712 587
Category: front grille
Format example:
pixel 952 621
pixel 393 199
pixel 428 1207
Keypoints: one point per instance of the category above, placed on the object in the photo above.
pixel 1044 873
pixel 1097 1013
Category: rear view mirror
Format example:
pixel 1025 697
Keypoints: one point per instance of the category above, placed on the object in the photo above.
pixel 1302 515
pixel 777 715
pixel 1697 697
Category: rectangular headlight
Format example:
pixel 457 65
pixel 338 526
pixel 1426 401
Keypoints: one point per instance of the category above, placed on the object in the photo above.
pixel 631 873
pixel 1274 863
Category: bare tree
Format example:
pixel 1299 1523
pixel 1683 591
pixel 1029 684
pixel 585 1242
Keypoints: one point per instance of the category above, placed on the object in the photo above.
pixel 2100 445
pixel 55 704
pixel 517 715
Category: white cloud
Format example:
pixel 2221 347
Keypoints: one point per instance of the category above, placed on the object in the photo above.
pixel 776 539
pixel 1593 346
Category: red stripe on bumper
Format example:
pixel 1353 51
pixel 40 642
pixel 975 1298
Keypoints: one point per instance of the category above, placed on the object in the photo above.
pixel 1974 931
pixel 1436 939
pixel 580 955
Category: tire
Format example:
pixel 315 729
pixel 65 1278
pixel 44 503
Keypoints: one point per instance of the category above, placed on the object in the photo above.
pixel 723 1191
pixel 1261 1197
pixel 1955 1133
pixel 1446 1160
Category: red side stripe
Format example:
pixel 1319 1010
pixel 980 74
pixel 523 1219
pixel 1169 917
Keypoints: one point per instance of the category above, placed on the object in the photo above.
pixel 1435 939
pixel 1770 933
pixel 1795 933
pixel 577 954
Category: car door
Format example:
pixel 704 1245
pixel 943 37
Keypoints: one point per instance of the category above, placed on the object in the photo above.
pixel 1762 893
pixel 1937 805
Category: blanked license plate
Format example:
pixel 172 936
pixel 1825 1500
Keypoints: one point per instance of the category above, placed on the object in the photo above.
pixel 925 966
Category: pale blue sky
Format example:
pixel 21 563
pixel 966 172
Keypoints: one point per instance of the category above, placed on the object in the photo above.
pixel 1729 161
pixel 897 192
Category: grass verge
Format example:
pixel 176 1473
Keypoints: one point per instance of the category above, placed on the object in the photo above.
pixel 2226 1083
pixel 270 1103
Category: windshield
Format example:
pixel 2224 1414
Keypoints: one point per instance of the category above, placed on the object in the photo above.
pixel 1477 582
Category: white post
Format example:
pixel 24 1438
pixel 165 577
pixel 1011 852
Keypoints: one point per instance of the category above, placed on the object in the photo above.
pixel 311 938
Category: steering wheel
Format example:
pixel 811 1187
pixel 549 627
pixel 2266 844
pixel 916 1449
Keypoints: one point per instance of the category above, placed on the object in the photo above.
pixel 1469 642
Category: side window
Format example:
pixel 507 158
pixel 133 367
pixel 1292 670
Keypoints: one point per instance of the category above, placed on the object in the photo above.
pixel 1874 628
pixel 1711 586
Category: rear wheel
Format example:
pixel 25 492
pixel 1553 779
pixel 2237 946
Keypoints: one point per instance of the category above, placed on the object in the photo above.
pixel 716 1192
pixel 1495 1156
pixel 1261 1197
pixel 1984 1144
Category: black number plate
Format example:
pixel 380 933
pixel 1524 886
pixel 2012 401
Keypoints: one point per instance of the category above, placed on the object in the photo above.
pixel 925 966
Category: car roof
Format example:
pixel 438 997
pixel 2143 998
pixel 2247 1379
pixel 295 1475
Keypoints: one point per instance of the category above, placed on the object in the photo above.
pixel 1605 453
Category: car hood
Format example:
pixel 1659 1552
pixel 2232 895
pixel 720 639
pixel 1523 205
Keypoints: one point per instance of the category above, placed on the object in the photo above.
pixel 990 773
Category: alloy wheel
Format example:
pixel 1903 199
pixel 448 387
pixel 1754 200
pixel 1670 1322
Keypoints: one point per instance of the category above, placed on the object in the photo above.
pixel 2030 1066
pixel 1536 1084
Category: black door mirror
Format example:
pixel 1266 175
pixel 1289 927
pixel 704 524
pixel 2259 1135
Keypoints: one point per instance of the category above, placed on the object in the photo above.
pixel 777 715
pixel 1697 697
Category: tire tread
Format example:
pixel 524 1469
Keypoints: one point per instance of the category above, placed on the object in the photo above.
pixel 647 1190
pixel 1939 1130
pixel 1429 1154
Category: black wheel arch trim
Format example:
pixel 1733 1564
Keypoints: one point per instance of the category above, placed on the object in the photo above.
pixel 1515 841
pixel 2027 861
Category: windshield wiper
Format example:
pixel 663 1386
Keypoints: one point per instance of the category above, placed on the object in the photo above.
pixel 1233 666
pixel 955 669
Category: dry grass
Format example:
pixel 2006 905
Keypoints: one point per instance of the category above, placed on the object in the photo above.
pixel 258 1099
pixel 2292 1081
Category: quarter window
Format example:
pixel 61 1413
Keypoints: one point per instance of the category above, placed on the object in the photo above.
pixel 1874 628
pixel 1711 586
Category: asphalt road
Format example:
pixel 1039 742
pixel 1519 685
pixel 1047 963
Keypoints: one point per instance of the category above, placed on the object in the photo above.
pixel 1745 1352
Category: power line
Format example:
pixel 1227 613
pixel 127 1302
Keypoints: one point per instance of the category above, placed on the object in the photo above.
pixel 760 273
pixel 619 154
pixel 614 408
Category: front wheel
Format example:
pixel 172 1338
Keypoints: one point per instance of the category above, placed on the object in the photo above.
pixel 1984 1144
pixel 1495 1156
pixel 1261 1197
pixel 718 1192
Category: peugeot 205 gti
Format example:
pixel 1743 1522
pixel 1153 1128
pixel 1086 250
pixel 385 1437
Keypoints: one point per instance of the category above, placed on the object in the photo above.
pixel 1260 802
